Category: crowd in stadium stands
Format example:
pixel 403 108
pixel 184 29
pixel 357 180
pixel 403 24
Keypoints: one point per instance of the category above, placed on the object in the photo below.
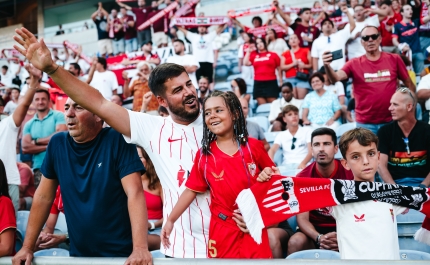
pixel 64 122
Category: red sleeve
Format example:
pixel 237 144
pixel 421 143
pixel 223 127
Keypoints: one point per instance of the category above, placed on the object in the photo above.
pixel 277 59
pixel 347 68
pixel 54 207
pixel 246 29
pixel 155 56
pixel 7 213
pixel 196 181
pixel 252 57
pixel 402 72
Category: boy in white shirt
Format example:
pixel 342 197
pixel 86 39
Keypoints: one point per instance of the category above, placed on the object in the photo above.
pixel 295 141
pixel 365 230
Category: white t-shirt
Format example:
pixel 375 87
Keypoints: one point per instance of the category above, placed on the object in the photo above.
pixel 7 78
pixel 277 106
pixel 8 137
pixel 425 84
pixel 172 148
pixel 285 141
pixel 186 59
pixel 202 46
pixel 337 42
pixel 105 82
pixel 278 46
pixel 336 89
pixel 367 230
pixel 10 107
pixel 355 49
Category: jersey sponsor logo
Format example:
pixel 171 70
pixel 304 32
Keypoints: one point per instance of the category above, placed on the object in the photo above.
pixel 170 140
pixel 380 76
pixel 359 218
pixel 218 177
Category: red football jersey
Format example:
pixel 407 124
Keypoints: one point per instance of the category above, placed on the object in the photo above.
pixel 7 217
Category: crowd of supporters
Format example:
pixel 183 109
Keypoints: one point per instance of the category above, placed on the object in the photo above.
pixel 315 69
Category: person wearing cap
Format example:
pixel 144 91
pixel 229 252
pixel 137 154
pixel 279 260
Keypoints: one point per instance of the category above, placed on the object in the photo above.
pixel 13 102
pixel 147 56
pixel 331 40
pixel 203 49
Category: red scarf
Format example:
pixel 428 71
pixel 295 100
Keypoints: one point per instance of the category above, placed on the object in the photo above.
pixel 272 202
pixel 200 21
pixel 158 16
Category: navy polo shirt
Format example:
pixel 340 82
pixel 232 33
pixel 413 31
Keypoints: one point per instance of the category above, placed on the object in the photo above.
pixel 409 34
pixel 95 203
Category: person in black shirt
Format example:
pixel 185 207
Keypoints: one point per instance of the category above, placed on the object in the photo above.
pixel 101 19
pixel 404 144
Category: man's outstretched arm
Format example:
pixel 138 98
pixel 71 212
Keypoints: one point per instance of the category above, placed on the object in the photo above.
pixel 82 93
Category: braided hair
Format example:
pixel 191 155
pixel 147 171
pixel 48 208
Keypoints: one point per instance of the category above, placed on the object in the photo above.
pixel 233 105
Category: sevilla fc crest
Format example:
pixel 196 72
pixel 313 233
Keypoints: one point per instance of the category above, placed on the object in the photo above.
pixel 252 168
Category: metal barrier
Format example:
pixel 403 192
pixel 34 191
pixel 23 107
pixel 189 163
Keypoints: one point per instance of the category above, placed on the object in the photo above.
pixel 120 261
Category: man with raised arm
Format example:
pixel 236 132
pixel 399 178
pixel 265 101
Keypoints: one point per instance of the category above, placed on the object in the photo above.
pixel 171 143
pixel 9 128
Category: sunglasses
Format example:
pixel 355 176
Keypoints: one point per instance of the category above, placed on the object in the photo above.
pixel 405 90
pixel 292 145
pixel 368 37
pixel 406 141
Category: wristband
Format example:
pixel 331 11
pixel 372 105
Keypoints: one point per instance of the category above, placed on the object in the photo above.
pixel 152 226
pixel 53 71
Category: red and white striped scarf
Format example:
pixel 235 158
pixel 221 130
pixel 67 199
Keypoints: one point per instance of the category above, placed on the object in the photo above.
pixel 200 21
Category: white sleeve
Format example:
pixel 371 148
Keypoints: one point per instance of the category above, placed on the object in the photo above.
pixel 192 36
pixel 114 81
pixel 309 136
pixel 339 89
pixel 142 126
pixel 210 36
pixel 314 51
pixel 240 52
pixel 274 110
pixel 7 108
pixel 193 61
pixel 424 83
pixel 290 31
pixel 279 138
pixel 346 34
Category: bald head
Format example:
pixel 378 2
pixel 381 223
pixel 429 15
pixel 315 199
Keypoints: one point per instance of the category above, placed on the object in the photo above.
pixel 406 97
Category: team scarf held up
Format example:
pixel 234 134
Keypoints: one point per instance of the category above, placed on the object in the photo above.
pixel 200 21
pixel 272 202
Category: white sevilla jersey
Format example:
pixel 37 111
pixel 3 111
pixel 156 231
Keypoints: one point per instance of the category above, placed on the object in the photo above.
pixel 172 148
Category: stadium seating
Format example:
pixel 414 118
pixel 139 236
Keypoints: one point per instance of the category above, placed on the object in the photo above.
pixel 407 225
pixel 58 252
pixel 278 159
pixel 22 221
pixel 270 136
pixel 156 254
pixel 262 121
pixel 61 225
pixel 222 86
pixel 263 110
pixel 413 255
pixel 344 128
pixel 315 254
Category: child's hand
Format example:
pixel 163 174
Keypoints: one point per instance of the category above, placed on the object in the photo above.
pixel 267 173
pixel 237 217
pixel 165 234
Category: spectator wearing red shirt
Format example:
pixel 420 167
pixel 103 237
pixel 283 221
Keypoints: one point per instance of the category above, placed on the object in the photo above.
pixel 130 34
pixel 141 13
pixel 116 26
pixel 159 27
pixel 26 189
pixel 265 63
pixel 8 219
pixel 374 77
pixel 318 227
pixel 297 59
pixel 386 26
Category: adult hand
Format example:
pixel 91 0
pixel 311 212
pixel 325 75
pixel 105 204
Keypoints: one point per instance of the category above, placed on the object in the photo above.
pixel 125 62
pixel 327 58
pixel 52 240
pixel 238 218
pixel 35 76
pixel 35 51
pixel 329 241
pixel 329 122
pixel 275 3
pixel 267 173
pixel 125 75
pixel 307 38
pixel 405 48
pixel 147 97
pixel 295 63
pixel 24 255
pixel 301 64
pixel 165 233
pixel 344 9
pixel 139 256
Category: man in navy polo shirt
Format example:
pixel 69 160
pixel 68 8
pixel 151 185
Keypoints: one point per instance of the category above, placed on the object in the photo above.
pixel 406 37
pixel 99 174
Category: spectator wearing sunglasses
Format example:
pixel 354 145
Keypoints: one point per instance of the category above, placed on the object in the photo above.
pixel 295 141
pixel 404 144
pixel 374 77
pixel 406 37
pixel 332 40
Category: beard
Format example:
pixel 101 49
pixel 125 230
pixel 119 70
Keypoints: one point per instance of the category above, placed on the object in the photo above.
pixel 325 162
pixel 182 113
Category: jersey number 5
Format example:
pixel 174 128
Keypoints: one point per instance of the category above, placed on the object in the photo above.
pixel 212 250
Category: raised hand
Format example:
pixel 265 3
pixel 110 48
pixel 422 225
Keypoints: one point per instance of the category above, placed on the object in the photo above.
pixel 35 76
pixel 36 52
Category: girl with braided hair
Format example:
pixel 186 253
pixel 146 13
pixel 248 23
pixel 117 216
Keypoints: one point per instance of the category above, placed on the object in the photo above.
pixel 227 163
pixel 7 217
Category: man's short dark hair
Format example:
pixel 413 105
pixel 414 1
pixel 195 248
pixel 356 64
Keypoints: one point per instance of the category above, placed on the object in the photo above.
pixel 327 20
pixel 1 102
pixel 289 108
pixel 102 61
pixel 324 131
pixel 387 2
pixel 77 67
pixel 258 19
pixel 16 88
pixel 179 40
pixel 5 67
pixel 161 74
pixel 287 84
pixel 364 137
pixel 41 90
pixel 303 10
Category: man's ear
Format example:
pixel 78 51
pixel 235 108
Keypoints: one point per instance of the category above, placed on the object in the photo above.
pixel 345 164
pixel 162 102
pixel 98 119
